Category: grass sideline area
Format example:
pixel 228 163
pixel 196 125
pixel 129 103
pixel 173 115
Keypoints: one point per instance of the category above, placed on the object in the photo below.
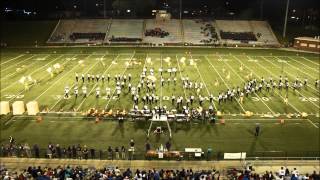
pixel 298 136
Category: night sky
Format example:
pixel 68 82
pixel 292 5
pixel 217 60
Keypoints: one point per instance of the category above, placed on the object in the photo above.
pixel 304 10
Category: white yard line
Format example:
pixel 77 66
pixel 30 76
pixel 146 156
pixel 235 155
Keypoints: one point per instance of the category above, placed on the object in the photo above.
pixel 34 84
pixel 297 90
pixel 223 81
pixel 33 72
pixel 2 70
pixel 296 109
pixel 57 81
pixel 72 86
pixel 311 61
pixel 144 65
pixel 313 123
pixel 254 92
pixel 15 72
pixel 160 81
pixel 29 65
pixel 184 90
pixel 288 73
pixel 132 55
pixel 291 66
pixel 104 73
pixel 12 59
pixel 313 69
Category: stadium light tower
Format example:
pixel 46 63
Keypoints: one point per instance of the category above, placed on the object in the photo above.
pixel 180 8
pixel 104 9
pixel 285 20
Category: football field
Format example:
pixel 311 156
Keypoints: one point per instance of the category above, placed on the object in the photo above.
pixel 48 71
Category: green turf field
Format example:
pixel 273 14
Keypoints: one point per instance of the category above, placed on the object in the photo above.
pixel 217 69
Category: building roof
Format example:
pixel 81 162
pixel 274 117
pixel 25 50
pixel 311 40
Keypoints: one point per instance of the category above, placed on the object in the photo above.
pixel 311 39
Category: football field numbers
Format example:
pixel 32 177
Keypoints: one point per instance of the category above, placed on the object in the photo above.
pixel 306 99
pixel 266 99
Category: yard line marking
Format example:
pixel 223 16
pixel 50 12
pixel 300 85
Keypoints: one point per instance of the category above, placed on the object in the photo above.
pixel 2 70
pixel 313 123
pixel 301 93
pixel 288 73
pixel 35 84
pixel 160 80
pixel 270 73
pixel 245 81
pixel 184 90
pixel 144 65
pixel 12 59
pixel 205 85
pixel 223 81
pixel 311 61
pixel 121 76
pixel 314 69
pixel 15 72
pixel 115 59
pixel 291 66
pixel 33 72
pixel 73 85
pixel 56 81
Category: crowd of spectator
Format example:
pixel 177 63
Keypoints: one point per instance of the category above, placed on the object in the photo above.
pixel 238 36
pixel 210 33
pixel 281 174
pixel 156 32
pixel 78 172
pixel 124 39
pixel 68 152
pixel 90 36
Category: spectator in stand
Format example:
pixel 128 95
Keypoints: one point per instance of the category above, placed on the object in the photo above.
pixel 282 172
pixel 85 152
pixel 117 153
pixel 110 153
pixel 315 176
pixel 131 143
pixel 123 152
pixel 295 172
pixel 92 153
pixel 59 153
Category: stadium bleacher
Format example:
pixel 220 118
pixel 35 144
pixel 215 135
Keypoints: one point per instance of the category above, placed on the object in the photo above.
pixel 199 32
pixel 126 30
pixel 266 34
pixel 173 27
pixel 80 31
pixel 246 32
pixel 172 32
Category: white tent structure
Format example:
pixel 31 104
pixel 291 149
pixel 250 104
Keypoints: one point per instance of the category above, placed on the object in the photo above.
pixel 4 107
pixel 33 108
pixel 18 108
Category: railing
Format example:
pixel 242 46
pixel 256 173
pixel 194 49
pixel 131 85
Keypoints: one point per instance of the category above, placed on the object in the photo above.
pixel 142 155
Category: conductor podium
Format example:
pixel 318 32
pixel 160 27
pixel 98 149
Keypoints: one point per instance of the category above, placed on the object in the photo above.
pixel 159 118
